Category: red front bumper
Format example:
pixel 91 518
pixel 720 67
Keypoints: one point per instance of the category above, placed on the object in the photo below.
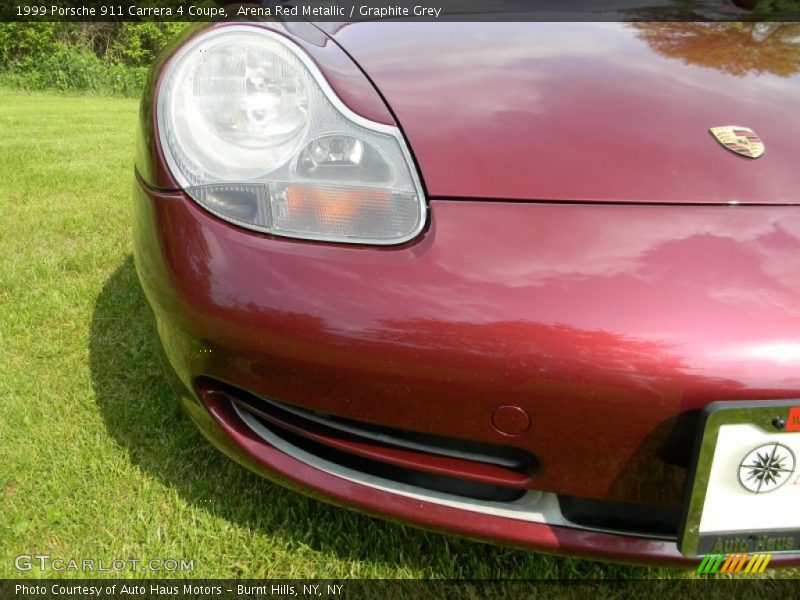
pixel 610 326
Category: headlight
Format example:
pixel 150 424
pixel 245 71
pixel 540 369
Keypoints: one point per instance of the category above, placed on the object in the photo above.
pixel 253 132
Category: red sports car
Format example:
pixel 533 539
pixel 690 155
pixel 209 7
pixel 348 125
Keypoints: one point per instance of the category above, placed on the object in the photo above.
pixel 534 283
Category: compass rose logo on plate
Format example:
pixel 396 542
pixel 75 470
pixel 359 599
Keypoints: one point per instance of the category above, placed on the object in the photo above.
pixel 766 468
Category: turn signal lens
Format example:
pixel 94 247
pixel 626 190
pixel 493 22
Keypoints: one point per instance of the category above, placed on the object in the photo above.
pixel 341 211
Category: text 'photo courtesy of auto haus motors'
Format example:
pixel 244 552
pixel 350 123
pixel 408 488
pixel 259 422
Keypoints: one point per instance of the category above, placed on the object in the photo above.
pixel 484 279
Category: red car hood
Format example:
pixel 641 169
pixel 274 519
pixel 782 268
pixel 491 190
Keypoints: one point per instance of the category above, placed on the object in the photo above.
pixel 605 112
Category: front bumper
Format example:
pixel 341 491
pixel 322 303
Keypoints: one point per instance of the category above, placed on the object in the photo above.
pixel 610 327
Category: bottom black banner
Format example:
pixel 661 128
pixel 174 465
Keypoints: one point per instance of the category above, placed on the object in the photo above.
pixel 221 589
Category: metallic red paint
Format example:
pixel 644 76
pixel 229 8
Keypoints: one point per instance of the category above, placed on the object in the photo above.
pixel 609 324
pixel 588 111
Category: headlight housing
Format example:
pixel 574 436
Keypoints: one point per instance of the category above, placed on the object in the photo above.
pixel 253 132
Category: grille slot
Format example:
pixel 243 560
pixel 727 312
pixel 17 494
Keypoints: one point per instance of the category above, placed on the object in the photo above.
pixel 433 466
pixel 485 453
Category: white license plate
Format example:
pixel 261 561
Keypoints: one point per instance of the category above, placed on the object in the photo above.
pixel 744 485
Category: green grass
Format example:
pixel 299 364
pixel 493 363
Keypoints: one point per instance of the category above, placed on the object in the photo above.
pixel 96 460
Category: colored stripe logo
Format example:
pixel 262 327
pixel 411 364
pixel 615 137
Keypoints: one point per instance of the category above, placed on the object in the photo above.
pixel 793 421
pixel 734 563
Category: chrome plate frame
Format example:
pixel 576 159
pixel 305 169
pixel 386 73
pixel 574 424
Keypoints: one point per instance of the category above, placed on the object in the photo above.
pixel 763 416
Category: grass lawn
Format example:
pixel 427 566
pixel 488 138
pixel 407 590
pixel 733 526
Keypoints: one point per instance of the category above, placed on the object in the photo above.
pixel 96 460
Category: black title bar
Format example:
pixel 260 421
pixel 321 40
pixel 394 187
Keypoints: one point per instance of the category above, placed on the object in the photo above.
pixel 408 10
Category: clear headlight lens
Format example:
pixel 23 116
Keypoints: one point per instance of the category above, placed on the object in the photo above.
pixel 254 134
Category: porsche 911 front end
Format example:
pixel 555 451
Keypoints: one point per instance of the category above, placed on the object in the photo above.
pixel 498 280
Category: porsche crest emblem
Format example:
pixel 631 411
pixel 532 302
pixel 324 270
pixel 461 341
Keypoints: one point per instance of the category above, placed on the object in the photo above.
pixel 740 140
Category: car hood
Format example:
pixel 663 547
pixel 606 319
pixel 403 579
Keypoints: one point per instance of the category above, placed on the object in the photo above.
pixel 607 112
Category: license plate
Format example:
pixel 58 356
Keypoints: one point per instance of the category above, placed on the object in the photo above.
pixel 744 484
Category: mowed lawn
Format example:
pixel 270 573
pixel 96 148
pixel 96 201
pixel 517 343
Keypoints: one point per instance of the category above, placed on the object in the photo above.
pixel 96 460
